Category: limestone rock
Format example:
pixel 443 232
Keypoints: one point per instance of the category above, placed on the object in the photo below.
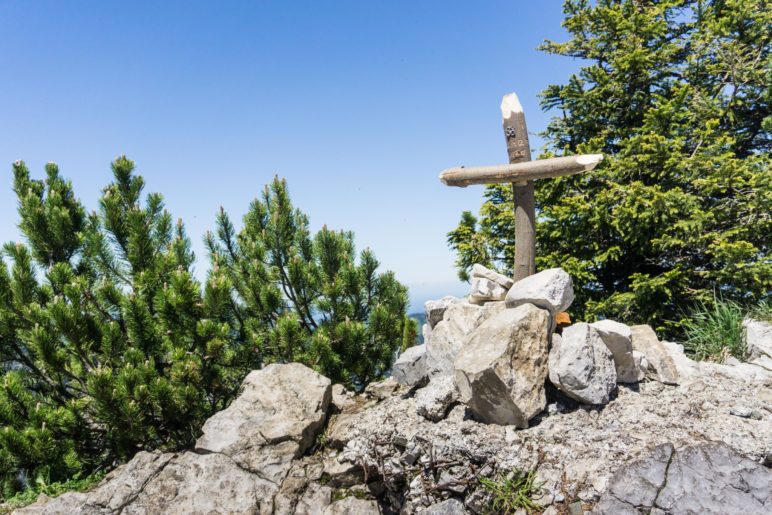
pixel 382 389
pixel 550 289
pixel 686 367
pixel 432 401
pixel 187 483
pixel 210 483
pixel 274 420
pixel 758 338
pixel 763 362
pixel 500 371
pixel 486 273
pixel 435 310
pixel 582 366
pixel 448 336
pixel 484 290
pixel 707 479
pixel 618 338
pixel 410 367
pixel 661 365
pixel 639 358
pixel 447 507
pixel 352 506
pixel 342 399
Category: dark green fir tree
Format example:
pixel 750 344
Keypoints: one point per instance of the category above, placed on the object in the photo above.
pixel 677 96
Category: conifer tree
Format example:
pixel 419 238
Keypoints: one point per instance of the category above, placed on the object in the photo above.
pixel 108 343
pixel 303 297
pixel 677 95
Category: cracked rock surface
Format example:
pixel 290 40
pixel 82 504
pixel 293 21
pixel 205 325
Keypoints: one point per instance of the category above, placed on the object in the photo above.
pixel 708 478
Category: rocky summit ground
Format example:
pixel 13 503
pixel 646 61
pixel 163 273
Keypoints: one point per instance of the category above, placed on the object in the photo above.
pixel 676 437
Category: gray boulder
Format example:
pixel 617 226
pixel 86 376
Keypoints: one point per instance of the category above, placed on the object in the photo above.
pixel 706 479
pixel 550 289
pixel 274 420
pixel 239 463
pixel 619 340
pixel 662 368
pixel 758 338
pixel 433 400
pixel 581 366
pixel 501 369
pixel 410 367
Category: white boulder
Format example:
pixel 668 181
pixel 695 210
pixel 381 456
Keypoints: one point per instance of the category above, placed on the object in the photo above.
pixel 447 337
pixel 582 366
pixel 435 310
pixel 274 420
pixel 550 289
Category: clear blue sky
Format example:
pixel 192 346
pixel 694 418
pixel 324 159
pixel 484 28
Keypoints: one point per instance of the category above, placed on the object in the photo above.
pixel 359 104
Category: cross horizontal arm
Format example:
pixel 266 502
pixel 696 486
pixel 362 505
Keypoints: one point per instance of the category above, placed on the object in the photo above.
pixel 520 172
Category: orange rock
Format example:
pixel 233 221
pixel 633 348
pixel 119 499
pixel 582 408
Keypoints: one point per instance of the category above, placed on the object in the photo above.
pixel 562 319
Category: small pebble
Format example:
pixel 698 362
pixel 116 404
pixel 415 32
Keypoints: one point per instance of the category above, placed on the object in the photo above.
pixel 741 411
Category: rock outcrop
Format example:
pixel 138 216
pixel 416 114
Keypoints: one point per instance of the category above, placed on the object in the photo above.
pixel 582 366
pixel 708 478
pixel 495 390
pixel 470 404
pixel 238 465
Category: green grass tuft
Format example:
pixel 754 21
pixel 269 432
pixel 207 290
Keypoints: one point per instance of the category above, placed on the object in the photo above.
pixel 56 489
pixel 715 331
pixel 762 312
pixel 513 492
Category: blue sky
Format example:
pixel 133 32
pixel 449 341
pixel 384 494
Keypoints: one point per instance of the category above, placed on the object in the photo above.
pixel 359 104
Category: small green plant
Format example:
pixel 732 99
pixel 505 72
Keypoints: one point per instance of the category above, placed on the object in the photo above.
pixel 513 492
pixel 714 331
pixel 42 486
pixel 762 312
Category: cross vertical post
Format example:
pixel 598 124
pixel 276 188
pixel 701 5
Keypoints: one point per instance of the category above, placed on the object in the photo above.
pixel 521 172
pixel 519 151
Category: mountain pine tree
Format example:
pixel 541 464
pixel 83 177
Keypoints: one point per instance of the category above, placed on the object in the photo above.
pixel 677 95
pixel 303 297
pixel 109 344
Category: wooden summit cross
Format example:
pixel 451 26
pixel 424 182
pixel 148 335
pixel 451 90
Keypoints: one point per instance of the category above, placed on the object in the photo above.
pixel 521 172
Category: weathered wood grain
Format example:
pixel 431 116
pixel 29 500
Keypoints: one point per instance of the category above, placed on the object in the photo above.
pixel 520 172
